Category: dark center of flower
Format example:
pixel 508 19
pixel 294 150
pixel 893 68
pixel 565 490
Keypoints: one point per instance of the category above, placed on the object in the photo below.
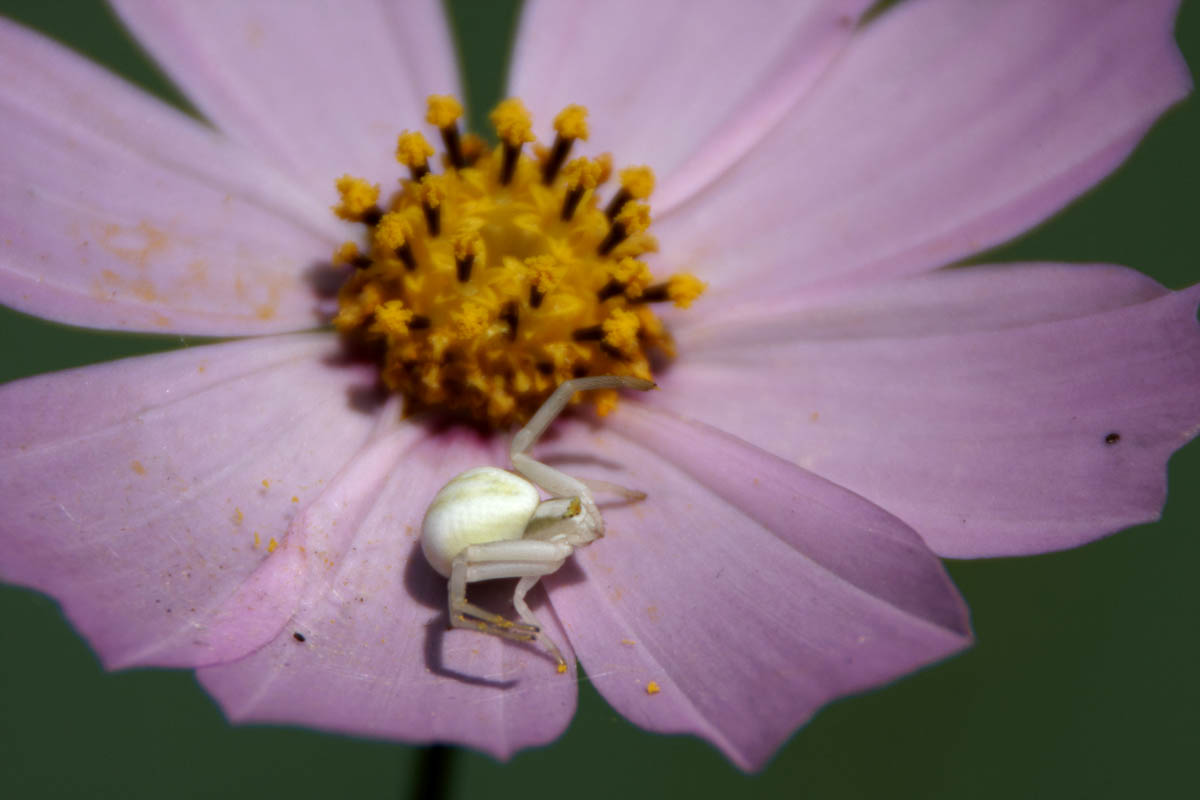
pixel 486 286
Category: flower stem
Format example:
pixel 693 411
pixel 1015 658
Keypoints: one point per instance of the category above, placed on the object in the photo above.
pixel 433 776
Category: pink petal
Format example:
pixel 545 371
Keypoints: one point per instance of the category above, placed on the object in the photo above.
pixel 144 494
pixel 376 658
pixel 744 593
pixel 686 87
pixel 120 212
pixel 320 89
pixel 947 127
pixel 974 404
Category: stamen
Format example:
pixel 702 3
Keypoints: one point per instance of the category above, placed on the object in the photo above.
pixel 393 234
pixel 633 218
pixel 569 125
pixel 680 289
pixel 359 198
pixel 413 151
pixel 467 245
pixel 515 128
pixel 581 175
pixel 432 193
pixel 637 183
pixel 443 113
pixel 489 319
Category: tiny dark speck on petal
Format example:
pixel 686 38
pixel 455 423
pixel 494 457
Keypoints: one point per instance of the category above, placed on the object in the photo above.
pixel 1112 438
pixel 298 636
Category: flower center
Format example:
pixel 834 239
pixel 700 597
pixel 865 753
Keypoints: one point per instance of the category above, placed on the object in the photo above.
pixel 486 286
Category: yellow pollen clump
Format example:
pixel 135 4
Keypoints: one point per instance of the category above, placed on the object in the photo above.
pixel 582 172
pixel 358 197
pixel 393 231
pixel 571 123
pixel 684 288
pixel 443 111
pixel 392 318
pixel 638 181
pixel 485 286
pixel 513 124
pixel 412 150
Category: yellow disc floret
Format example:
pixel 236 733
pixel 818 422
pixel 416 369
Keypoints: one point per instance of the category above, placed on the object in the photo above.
pixel 484 287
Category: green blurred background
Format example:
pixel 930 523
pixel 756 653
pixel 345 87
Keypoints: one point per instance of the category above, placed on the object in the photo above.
pixel 1083 683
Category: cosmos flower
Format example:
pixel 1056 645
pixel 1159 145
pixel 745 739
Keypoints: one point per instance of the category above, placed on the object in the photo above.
pixel 840 412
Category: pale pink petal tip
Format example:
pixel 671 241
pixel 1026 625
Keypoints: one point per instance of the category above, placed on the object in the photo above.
pixel 150 496
pixel 998 410
pixel 945 128
pixel 743 593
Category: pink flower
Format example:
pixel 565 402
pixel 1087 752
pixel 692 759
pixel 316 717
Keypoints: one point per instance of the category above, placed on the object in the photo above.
pixel 839 416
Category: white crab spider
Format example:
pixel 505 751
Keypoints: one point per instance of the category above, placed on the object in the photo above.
pixel 488 523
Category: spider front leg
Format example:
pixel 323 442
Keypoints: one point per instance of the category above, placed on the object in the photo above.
pixel 555 481
pixel 526 559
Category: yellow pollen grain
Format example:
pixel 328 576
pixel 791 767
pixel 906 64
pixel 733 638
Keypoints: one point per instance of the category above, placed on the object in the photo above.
pixel 392 318
pixel 561 668
pixel 266 483
pixel 272 544
pixel 571 123
pixel 392 231
pixel 238 516
pixel 295 499
pixel 432 190
pixel 634 275
pixel 467 242
pixel 358 197
pixel 652 688
pixel 605 163
pixel 443 110
pixel 512 122
pixel 621 330
pixel 469 321
pixel 582 172
pixel 638 181
pixel 137 467
pixel 684 288
pixel 412 150
pixel 544 272
pixel 635 217
pixel 257 540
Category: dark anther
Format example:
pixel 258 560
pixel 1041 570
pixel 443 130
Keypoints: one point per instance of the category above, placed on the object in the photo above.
pixel 545 367
pixel 535 296
pixel 611 289
pixel 419 171
pixel 464 267
pixel 361 262
pixel 571 202
pixel 453 146
pixel 404 253
pixel 419 322
pixel 509 315
pixel 1112 438
pixel 509 166
pixel 654 294
pixel 592 333
pixel 433 220
pixel 617 203
pixel 616 235
pixel 372 216
pixel 298 636
pixel 558 155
